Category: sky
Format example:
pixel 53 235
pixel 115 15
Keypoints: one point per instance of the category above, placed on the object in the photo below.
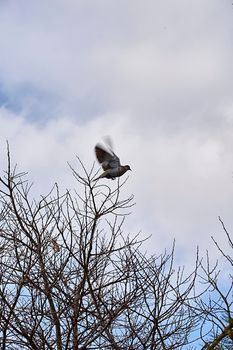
pixel 154 75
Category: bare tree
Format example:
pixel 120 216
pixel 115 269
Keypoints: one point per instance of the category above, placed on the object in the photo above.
pixel 216 305
pixel 71 279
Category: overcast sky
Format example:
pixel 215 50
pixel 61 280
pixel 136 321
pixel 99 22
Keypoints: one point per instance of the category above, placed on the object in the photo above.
pixel 155 75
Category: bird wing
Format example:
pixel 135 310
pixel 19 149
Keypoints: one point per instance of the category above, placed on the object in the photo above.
pixel 108 141
pixel 106 159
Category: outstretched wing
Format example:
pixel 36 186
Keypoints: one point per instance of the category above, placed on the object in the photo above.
pixel 106 159
pixel 108 141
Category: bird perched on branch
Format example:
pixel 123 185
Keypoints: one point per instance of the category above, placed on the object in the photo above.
pixel 109 161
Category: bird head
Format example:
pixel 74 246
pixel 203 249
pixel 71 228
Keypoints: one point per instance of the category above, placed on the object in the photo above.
pixel 127 167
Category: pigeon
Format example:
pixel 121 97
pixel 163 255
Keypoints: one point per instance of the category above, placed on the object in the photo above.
pixel 109 162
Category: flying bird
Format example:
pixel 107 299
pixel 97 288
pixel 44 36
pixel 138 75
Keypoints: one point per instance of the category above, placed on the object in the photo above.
pixel 109 162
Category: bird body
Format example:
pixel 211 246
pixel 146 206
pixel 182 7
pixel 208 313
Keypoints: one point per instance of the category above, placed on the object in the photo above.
pixel 109 162
pixel 113 173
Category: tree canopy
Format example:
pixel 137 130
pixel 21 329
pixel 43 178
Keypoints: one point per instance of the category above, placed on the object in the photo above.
pixel 72 279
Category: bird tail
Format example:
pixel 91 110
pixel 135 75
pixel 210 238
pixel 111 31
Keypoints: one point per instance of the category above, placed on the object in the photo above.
pixel 99 177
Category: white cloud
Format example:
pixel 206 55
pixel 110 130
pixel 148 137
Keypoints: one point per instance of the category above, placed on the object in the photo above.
pixel 157 77
pixel 119 56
